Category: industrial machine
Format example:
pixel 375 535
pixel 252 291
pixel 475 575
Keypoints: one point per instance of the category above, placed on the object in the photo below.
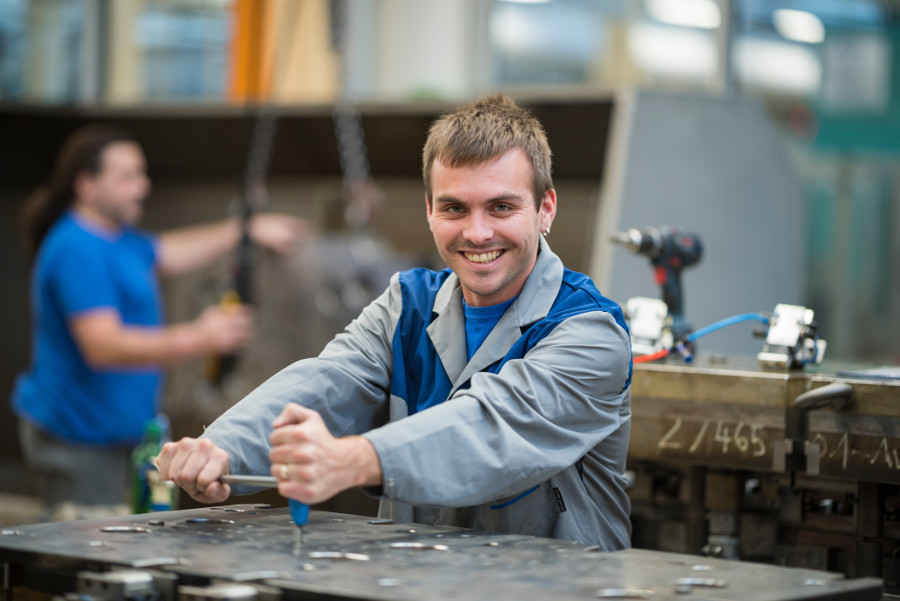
pixel 731 458
pixel 776 458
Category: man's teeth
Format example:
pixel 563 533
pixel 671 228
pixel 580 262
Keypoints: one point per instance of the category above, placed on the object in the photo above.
pixel 483 257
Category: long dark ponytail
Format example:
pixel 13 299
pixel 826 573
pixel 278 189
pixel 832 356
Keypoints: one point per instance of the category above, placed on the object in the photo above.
pixel 81 153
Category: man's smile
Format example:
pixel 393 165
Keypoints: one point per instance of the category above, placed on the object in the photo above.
pixel 485 257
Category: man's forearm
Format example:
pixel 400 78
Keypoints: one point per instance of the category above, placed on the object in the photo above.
pixel 106 342
pixel 135 346
pixel 190 248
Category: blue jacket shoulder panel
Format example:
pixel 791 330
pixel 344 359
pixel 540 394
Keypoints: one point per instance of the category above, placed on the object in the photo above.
pixel 416 363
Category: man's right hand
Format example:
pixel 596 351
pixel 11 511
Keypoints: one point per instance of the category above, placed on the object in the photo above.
pixel 224 329
pixel 196 466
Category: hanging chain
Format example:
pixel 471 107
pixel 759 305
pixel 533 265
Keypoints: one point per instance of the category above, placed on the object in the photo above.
pixel 262 141
pixel 362 194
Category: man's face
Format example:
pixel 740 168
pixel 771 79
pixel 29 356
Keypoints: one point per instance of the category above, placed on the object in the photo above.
pixel 486 226
pixel 116 193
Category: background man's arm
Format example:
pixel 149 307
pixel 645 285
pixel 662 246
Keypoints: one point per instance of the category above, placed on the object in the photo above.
pixel 187 249
pixel 105 342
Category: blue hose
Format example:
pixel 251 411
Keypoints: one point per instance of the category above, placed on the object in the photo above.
pixel 727 322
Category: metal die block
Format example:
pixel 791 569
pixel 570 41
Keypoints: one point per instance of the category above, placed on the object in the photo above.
pixel 125 585
pixel 231 591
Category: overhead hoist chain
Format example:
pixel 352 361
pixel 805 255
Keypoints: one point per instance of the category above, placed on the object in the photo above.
pixel 252 199
pixel 363 196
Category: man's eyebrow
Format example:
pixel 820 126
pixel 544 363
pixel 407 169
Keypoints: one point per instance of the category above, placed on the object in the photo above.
pixel 446 198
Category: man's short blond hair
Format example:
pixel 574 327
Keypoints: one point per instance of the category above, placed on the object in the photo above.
pixel 486 129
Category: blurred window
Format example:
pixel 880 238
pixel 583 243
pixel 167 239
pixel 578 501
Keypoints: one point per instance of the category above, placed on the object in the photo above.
pixel 12 48
pixel 61 51
pixel 183 49
pixel 548 42
pixel 40 44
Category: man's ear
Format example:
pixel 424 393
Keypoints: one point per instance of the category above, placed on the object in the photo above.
pixel 83 186
pixel 428 211
pixel 548 208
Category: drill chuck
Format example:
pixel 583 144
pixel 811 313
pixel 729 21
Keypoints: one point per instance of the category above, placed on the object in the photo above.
pixel 667 246
pixel 647 242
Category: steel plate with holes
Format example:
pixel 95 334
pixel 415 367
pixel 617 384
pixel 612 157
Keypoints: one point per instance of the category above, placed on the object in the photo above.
pixel 349 557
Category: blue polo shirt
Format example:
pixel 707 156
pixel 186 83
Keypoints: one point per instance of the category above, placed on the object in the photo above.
pixel 82 268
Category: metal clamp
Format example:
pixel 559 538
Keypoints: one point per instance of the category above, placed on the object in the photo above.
pixel 796 453
pixel 792 340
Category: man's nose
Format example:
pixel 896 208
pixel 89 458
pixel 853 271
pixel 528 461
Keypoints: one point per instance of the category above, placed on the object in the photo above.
pixel 478 229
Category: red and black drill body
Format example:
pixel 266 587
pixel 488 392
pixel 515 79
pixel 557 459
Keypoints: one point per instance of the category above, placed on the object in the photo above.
pixel 670 250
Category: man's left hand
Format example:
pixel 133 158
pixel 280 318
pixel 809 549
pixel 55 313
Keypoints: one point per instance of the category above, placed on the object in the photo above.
pixel 279 232
pixel 311 465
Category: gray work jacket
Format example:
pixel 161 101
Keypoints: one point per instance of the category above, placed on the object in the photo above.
pixel 531 437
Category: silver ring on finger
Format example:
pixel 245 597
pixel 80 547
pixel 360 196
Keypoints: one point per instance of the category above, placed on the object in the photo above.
pixel 284 471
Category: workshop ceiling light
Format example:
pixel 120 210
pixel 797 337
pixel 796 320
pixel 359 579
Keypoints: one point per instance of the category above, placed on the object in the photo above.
pixel 777 65
pixel 685 13
pixel 798 26
pixel 513 31
pixel 680 53
pixel 562 34
pixel 525 1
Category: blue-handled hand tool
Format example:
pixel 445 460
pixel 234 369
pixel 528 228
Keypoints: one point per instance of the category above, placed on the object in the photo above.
pixel 299 511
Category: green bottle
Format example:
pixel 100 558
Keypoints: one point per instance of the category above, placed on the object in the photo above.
pixel 149 492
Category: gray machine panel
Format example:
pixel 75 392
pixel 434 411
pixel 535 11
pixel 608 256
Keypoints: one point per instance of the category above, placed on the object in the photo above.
pixel 717 167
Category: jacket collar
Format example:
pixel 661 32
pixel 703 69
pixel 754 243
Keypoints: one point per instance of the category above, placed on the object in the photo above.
pixel 447 331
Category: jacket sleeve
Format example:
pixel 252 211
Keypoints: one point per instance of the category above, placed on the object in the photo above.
pixel 511 430
pixel 348 384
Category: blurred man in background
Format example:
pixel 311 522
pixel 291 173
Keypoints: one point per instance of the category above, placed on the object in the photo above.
pixel 99 340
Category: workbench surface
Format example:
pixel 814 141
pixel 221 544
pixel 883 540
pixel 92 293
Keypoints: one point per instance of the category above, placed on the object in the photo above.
pixel 355 557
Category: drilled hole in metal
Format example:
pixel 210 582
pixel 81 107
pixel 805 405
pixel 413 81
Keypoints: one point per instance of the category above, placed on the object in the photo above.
pixel 208 521
pixel 126 529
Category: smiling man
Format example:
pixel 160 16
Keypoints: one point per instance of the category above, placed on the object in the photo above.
pixel 486 224
pixel 494 394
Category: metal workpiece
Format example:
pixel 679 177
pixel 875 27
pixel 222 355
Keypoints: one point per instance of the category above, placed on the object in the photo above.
pixel 248 556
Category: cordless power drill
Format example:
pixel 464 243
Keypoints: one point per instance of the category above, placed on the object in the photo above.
pixel 670 250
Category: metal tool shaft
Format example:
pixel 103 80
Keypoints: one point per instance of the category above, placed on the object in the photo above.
pixel 258 481
pixel 298 540
pixel 299 511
